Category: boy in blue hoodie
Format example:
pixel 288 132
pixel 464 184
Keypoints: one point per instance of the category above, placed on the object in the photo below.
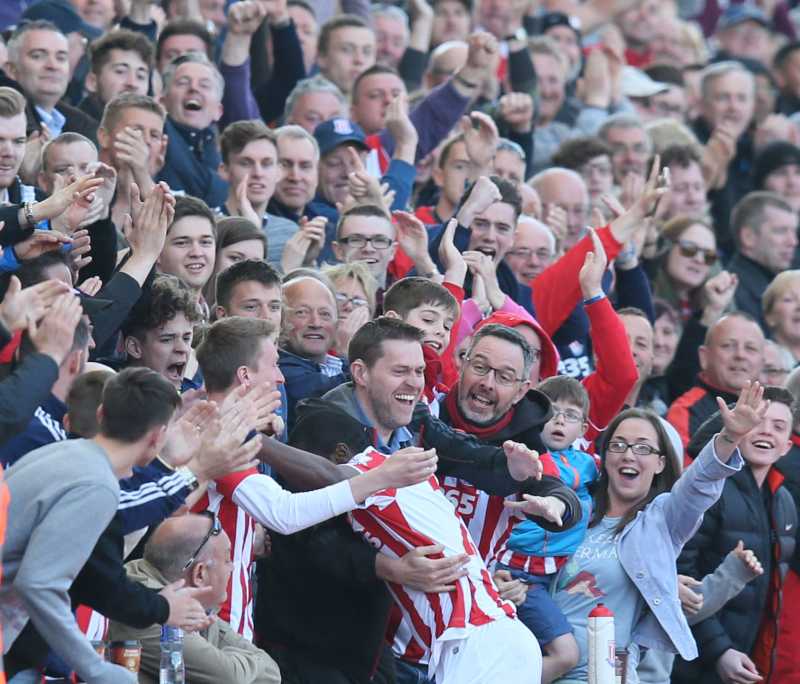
pixel 534 555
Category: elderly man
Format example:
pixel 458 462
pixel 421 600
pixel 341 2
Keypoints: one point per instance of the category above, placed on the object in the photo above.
pixel 194 548
pixel 312 101
pixel 566 189
pixel 630 145
pixel 533 250
pixel 727 108
pixel 298 157
pixel 309 330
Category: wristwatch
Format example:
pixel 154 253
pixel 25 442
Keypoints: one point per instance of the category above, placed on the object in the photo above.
pixel 520 34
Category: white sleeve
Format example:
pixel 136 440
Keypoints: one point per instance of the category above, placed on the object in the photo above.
pixel 288 512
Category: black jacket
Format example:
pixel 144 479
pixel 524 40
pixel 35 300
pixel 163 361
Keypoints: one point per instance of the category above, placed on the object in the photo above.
pixel 758 517
pixel 753 280
pixel 530 415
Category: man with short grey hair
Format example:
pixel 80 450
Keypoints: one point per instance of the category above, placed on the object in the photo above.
pixel 630 145
pixel 312 101
pixel 727 106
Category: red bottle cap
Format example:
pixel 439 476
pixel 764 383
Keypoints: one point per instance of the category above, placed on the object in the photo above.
pixel 601 611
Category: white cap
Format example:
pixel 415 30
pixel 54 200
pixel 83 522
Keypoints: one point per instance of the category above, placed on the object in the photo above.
pixel 636 83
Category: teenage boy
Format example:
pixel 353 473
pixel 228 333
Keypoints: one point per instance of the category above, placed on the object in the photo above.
pixel 250 167
pixel 739 642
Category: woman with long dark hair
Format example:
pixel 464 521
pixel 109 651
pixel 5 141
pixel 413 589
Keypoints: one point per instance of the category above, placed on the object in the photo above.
pixel 644 512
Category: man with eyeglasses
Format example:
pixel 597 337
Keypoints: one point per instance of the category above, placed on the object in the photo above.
pixel 196 549
pixel 366 234
pixel 533 251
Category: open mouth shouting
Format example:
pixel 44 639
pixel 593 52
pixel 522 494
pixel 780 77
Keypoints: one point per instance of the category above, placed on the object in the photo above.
pixel 434 344
pixel 405 399
pixel 628 473
pixel 174 372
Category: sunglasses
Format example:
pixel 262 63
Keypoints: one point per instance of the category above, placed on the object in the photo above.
pixel 213 531
pixel 691 250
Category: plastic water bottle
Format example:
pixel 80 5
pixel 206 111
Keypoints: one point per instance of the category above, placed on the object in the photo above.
pixel 172 669
pixel 602 647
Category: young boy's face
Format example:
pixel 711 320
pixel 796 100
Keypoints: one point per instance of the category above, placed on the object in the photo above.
pixel 435 321
pixel 566 425
pixel 765 444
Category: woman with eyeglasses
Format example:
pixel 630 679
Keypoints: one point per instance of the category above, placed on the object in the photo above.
pixel 644 512
pixel 355 290
pixel 689 259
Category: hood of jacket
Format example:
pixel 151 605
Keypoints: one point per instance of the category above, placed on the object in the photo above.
pixel 548 365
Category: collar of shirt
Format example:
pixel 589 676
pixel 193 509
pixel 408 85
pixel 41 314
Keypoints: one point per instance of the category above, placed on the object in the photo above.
pixel 400 438
pixel 196 138
pixel 54 120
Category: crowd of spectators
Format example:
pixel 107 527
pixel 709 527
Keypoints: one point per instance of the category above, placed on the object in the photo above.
pixel 382 342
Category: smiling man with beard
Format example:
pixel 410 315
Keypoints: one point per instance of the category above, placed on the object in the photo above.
pixel 192 96
pixel 732 356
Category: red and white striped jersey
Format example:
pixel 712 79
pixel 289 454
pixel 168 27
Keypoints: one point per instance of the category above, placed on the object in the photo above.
pixel 489 522
pixel 239 525
pixel 396 521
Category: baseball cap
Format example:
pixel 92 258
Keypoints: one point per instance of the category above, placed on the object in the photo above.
pixel 552 19
pixel 738 14
pixel 636 83
pixel 63 15
pixel 334 132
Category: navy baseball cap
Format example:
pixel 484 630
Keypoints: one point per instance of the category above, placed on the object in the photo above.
pixel 63 15
pixel 738 14
pixel 334 132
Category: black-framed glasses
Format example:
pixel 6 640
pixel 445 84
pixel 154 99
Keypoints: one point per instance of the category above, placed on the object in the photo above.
pixel 503 376
pixel 618 446
pixel 359 241
pixel 213 531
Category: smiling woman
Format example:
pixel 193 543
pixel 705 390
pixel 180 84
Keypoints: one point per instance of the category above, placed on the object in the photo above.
pixel 644 512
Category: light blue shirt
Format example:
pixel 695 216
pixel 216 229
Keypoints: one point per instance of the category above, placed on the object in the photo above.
pixel 399 439
pixel 54 120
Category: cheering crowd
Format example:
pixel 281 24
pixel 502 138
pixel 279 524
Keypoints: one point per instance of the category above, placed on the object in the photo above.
pixel 384 342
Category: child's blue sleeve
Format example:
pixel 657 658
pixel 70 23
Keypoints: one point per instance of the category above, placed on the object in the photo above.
pixel 9 261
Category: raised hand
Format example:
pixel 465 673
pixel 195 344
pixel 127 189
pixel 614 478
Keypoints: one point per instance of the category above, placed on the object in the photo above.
pixel 183 439
pixel 53 334
pixel 484 194
pixel 548 507
pixel 18 307
pixel 748 413
pixel 523 462
pixel 483 268
pixel 516 109
pixel 455 268
pixel 59 201
pixel 39 242
pixel 81 246
pixel 480 138
pixel 348 327
pixel 557 220
pixel 402 130
pixel 719 291
pixel 412 236
pixel 304 247
pixel 625 226
pixel 245 16
pixel 594 267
